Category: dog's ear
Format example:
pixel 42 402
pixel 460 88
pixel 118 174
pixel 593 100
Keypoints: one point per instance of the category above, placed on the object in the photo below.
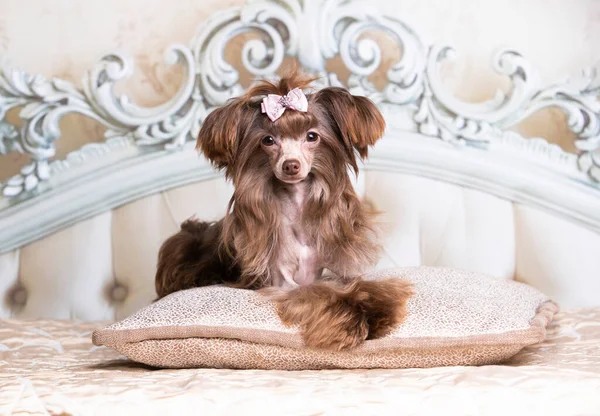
pixel 359 121
pixel 219 133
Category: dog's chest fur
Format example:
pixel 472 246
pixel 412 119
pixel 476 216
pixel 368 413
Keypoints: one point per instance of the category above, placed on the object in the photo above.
pixel 297 262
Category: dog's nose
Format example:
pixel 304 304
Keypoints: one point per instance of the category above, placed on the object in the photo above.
pixel 291 167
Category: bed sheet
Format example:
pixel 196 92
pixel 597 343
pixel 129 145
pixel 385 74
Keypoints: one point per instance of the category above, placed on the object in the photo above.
pixel 51 367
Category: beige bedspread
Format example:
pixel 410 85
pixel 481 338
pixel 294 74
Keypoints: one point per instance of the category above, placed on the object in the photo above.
pixel 51 367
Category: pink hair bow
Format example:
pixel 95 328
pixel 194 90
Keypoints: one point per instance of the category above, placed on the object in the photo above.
pixel 275 105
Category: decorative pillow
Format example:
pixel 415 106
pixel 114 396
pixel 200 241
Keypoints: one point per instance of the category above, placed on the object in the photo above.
pixel 454 318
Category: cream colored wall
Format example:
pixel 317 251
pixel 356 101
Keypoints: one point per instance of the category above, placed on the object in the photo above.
pixel 63 38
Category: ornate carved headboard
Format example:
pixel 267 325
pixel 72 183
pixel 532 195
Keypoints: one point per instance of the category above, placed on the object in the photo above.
pixel 431 134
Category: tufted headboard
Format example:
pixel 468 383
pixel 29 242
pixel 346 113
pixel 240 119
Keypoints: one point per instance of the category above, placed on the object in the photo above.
pixel 458 187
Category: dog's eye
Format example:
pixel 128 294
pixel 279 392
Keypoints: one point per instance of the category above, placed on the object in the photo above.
pixel 268 141
pixel 312 137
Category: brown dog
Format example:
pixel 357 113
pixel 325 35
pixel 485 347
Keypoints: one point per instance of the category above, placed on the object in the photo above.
pixel 295 227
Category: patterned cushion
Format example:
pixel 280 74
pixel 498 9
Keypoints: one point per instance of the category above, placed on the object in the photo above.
pixel 455 318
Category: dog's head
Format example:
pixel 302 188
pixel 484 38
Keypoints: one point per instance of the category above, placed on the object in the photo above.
pixel 275 129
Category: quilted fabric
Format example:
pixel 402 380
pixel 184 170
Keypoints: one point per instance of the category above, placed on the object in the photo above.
pixel 455 318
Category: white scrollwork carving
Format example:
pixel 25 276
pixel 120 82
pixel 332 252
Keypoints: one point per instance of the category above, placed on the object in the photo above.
pixel 442 115
pixel 313 31
pixel 342 26
pixel 579 98
pixel 8 139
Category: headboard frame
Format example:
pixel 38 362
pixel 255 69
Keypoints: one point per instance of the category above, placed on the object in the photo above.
pixel 430 132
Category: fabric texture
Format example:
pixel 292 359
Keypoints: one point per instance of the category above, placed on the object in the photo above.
pixel 455 318
pixel 52 365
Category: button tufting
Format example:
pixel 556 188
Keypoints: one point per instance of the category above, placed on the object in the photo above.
pixel 19 296
pixel 118 293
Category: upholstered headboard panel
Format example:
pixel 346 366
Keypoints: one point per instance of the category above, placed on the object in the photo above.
pixel 79 237
pixel 103 267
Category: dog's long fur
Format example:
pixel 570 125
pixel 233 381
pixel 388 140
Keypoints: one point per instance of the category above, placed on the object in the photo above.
pixel 249 248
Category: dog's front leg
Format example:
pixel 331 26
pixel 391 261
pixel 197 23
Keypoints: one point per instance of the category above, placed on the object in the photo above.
pixel 336 316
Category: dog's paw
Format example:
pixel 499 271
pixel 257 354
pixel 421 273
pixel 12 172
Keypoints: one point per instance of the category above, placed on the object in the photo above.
pixel 333 316
pixel 384 304
pixel 340 326
pixel 321 311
